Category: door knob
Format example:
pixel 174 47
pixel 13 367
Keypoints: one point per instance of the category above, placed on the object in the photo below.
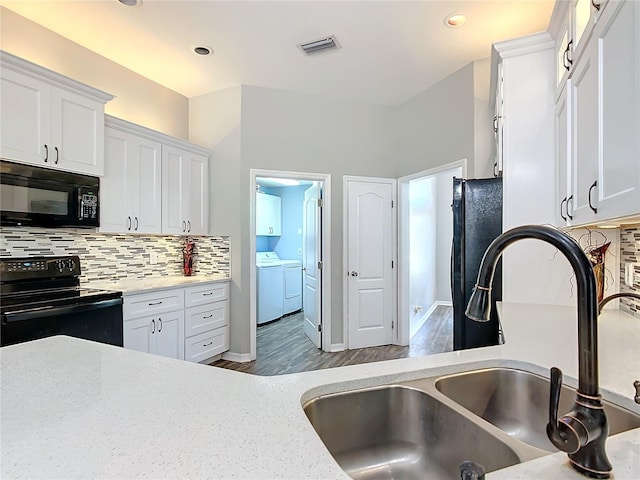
pixel 354 273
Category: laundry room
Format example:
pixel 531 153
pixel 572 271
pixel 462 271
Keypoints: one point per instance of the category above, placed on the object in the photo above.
pixel 285 234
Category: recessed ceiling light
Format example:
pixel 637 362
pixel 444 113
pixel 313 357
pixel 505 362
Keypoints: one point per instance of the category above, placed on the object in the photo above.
pixel 455 20
pixel 202 50
pixel 131 3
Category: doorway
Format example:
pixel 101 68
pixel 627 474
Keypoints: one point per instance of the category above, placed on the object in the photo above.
pixel 425 238
pixel 289 271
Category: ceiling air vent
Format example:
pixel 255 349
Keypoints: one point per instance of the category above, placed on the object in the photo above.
pixel 327 43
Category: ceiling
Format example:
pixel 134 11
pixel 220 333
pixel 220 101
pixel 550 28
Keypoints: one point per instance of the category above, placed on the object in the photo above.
pixel 391 50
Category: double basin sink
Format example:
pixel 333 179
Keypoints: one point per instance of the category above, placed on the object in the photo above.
pixel 426 428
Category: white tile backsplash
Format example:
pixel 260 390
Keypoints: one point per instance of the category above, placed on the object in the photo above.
pixel 630 253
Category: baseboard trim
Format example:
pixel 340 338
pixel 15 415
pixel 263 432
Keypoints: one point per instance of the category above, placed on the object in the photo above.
pixel 236 357
pixel 336 347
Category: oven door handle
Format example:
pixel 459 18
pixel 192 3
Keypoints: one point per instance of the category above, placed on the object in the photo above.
pixel 25 315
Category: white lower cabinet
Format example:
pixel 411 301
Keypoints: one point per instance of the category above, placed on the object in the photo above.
pixel 154 323
pixel 160 334
pixel 185 323
pixel 206 321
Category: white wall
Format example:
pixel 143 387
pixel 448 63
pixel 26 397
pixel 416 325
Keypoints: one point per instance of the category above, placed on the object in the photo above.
pixel 483 145
pixel 138 99
pixel 422 242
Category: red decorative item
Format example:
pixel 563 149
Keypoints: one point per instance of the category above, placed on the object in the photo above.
pixel 187 257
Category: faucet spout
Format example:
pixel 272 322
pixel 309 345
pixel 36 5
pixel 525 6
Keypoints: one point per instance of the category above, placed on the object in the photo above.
pixel 583 431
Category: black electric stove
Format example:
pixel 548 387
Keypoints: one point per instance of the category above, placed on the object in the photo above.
pixel 42 296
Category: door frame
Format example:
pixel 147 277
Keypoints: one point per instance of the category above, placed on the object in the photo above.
pixel 404 280
pixel 325 237
pixel 345 256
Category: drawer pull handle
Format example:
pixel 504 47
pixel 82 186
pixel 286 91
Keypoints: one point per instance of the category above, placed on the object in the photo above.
pixel 207 344
pixel 207 316
pixel 155 303
pixel 207 294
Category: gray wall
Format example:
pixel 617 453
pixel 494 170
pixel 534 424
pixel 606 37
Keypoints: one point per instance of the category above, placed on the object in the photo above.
pixel 251 127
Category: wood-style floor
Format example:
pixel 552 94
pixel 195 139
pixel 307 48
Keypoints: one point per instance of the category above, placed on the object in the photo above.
pixel 282 347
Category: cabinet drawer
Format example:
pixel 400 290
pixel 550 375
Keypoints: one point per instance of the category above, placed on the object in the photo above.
pixel 206 294
pixel 151 303
pixel 206 345
pixel 206 317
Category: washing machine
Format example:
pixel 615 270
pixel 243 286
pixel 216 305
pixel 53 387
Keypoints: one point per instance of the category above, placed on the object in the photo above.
pixel 279 286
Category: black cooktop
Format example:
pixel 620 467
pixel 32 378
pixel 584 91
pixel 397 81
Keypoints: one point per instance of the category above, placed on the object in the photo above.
pixel 52 298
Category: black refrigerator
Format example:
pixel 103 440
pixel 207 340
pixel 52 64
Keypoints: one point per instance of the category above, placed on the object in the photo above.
pixel 477 221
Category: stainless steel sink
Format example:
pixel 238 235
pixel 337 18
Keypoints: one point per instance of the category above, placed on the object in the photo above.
pixel 517 402
pixel 399 432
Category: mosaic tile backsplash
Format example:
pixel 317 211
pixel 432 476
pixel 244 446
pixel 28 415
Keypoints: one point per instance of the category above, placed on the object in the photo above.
pixel 630 253
pixel 116 257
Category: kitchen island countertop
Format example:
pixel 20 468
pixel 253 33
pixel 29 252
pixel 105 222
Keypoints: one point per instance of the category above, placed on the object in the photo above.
pixel 76 409
pixel 132 286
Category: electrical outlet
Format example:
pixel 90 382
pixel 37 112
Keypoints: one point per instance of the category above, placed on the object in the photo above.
pixel 629 270
pixel 153 258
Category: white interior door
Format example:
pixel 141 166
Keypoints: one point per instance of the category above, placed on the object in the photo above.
pixel 311 295
pixel 370 255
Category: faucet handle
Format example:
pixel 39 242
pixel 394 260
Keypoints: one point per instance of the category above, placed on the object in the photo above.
pixel 554 396
pixel 564 433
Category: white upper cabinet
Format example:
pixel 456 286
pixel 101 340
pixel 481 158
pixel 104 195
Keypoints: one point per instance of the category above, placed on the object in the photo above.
pixel 564 188
pixel 603 120
pixel 184 191
pixel 131 186
pixel 49 120
pixel 572 24
pixel 268 215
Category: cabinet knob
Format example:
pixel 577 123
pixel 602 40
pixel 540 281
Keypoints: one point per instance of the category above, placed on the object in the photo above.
pixel 354 273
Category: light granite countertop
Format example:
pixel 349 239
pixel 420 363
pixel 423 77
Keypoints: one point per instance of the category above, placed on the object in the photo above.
pixel 77 409
pixel 131 286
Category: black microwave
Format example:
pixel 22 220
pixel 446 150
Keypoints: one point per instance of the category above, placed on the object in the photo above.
pixel 40 197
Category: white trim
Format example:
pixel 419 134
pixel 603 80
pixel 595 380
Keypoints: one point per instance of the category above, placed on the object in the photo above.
pixel 14 63
pixel 345 257
pixel 404 321
pixel 139 130
pixel 325 307
pixel 236 357
pixel 336 347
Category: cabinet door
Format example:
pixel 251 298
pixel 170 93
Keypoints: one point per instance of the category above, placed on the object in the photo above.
pixel 584 88
pixel 196 174
pixel 117 186
pixel 169 335
pixel 138 334
pixel 172 198
pixel 146 172
pixel 25 117
pixel 618 40
pixel 262 222
pixel 564 198
pixel 268 215
pixel 77 132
